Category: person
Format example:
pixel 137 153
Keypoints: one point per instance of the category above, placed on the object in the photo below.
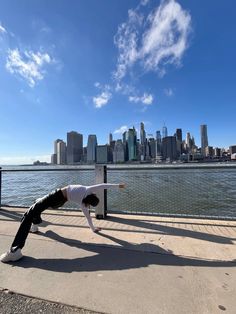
pixel 84 196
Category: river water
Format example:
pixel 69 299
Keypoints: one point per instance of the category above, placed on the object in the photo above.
pixel 208 191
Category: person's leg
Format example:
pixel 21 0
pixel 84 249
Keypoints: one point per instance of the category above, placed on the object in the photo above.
pixel 33 215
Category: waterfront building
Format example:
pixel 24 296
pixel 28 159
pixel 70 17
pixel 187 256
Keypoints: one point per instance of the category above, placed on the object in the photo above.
pixel 217 152
pixel 102 154
pixel 158 136
pixel 179 135
pixel 132 144
pixel 164 132
pixel 204 139
pixel 148 151
pixel 188 142
pixel 91 148
pixel 61 153
pixel 232 149
pixel 142 134
pixel 54 155
pixel 169 148
pixel 54 159
pixel 125 143
pixel 110 138
pixel 152 147
pixel 119 152
pixel 142 148
pixel 158 143
pixel 179 142
pixel 209 151
pixel 74 147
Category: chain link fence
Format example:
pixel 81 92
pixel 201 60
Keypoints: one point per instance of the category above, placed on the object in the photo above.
pixel 22 188
pixel 187 192
pixel 195 191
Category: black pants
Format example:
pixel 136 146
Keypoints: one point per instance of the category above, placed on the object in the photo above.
pixel 33 215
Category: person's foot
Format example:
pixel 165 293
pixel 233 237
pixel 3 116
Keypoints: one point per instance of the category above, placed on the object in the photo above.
pixel 11 256
pixel 34 228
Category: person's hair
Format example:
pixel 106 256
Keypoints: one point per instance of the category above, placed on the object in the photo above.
pixel 91 199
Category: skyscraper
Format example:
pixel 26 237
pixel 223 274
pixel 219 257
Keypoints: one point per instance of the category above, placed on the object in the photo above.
pixel 54 155
pixel 102 154
pixel 132 144
pixel 179 141
pixel 61 152
pixel 169 148
pixel 179 135
pixel 91 148
pixel 110 138
pixel 158 143
pixel 164 132
pixel 142 142
pixel 158 137
pixel 142 134
pixel 188 142
pixel 119 152
pixel 74 147
pixel 204 139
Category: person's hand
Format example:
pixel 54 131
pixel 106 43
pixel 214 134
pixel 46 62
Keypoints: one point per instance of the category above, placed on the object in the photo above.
pixel 121 185
pixel 97 229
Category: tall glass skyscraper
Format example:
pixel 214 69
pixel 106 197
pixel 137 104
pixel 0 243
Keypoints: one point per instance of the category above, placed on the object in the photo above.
pixel 204 139
pixel 158 136
pixel 132 144
pixel 179 140
pixel 164 132
pixel 61 153
pixel 91 148
pixel 179 135
pixel 74 147
pixel 142 134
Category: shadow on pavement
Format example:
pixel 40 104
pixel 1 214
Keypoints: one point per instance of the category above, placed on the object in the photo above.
pixel 168 230
pixel 110 257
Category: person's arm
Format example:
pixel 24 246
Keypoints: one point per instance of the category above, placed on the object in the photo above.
pixel 89 219
pixel 99 187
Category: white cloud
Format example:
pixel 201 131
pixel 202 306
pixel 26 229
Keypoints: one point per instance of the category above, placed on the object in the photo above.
pixel 2 29
pixel 29 65
pixel 121 130
pixel 104 96
pixel 146 99
pixel 126 41
pixel 97 84
pixel 102 99
pixel 152 42
pixel 168 92
pixel 144 2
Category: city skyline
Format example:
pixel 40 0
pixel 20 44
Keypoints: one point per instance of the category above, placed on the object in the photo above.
pixel 100 67
pixel 139 146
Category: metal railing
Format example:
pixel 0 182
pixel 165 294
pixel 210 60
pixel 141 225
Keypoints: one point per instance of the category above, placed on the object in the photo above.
pixel 21 187
pixel 191 191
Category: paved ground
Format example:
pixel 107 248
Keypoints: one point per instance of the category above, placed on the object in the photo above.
pixel 137 264
pixel 13 303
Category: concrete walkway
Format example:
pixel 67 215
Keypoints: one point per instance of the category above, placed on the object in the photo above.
pixel 137 264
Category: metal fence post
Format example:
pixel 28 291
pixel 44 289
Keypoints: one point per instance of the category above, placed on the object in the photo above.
pixel 101 177
pixel 0 186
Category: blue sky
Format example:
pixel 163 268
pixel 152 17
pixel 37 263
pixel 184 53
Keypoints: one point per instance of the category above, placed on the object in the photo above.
pixel 97 67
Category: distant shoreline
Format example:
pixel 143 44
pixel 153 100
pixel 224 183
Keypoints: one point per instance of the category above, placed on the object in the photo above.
pixel 49 167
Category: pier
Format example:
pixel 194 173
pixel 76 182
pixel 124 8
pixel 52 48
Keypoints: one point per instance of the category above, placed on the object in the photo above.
pixel 137 264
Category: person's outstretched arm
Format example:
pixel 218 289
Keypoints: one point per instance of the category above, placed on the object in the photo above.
pixel 102 186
